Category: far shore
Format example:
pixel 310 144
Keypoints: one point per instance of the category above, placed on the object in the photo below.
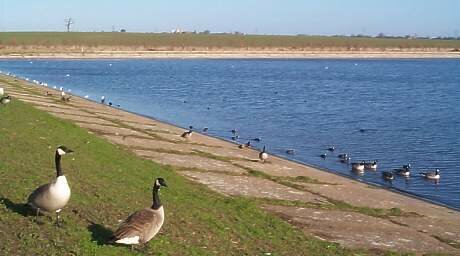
pixel 234 55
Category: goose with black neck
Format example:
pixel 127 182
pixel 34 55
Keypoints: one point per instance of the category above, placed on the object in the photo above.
pixel 53 196
pixel 141 226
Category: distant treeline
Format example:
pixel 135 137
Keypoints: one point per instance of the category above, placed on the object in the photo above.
pixel 205 41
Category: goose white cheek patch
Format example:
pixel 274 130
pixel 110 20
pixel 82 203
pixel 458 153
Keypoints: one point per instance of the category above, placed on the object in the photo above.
pixel 61 152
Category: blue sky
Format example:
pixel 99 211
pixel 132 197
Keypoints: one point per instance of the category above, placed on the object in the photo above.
pixel 316 17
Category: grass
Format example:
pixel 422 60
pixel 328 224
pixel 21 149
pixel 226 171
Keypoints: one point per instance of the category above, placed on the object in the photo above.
pixel 108 183
pixel 75 41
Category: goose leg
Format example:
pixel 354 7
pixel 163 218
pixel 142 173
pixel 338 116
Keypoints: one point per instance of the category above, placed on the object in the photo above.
pixel 58 223
pixel 36 214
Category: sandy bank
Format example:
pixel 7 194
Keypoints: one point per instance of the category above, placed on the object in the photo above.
pixel 233 55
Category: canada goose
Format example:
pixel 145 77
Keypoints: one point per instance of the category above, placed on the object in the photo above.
pixel 245 145
pixel 263 155
pixel 432 175
pixel 324 155
pixel 345 160
pixel 65 97
pixel 403 172
pixel 388 175
pixel 290 151
pixel 234 131
pixel 5 99
pixel 235 137
pixel 358 166
pixel 406 166
pixel 205 129
pixel 343 155
pixel 370 165
pixel 331 148
pixel 258 139
pixel 52 197
pixel 144 224
pixel 187 134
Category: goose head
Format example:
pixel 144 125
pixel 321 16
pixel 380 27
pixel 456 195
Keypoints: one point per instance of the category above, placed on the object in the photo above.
pixel 159 182
pixel 5 99
pixel 62 150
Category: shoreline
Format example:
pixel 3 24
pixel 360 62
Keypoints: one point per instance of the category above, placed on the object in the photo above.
pixel 233 55
pixel 281 157
pixel 351 191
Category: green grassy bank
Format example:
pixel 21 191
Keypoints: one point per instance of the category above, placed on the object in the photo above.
pixel 163 41
pixel 108 183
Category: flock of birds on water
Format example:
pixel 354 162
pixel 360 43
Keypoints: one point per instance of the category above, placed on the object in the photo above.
pixel 359 167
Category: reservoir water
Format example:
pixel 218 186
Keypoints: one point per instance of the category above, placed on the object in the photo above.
pixel 395 111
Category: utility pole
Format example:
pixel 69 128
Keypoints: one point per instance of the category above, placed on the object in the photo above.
pixel 68 23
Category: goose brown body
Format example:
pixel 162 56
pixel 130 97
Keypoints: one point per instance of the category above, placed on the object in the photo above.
pixel 144 224
pixel 140 226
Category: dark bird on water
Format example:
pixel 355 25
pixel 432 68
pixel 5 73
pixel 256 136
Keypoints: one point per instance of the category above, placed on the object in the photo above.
pixel 388 175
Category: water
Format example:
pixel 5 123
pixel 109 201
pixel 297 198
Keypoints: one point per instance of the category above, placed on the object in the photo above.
pixel 409 109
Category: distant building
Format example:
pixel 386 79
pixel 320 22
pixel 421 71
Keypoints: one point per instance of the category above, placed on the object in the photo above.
pixel 122 30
